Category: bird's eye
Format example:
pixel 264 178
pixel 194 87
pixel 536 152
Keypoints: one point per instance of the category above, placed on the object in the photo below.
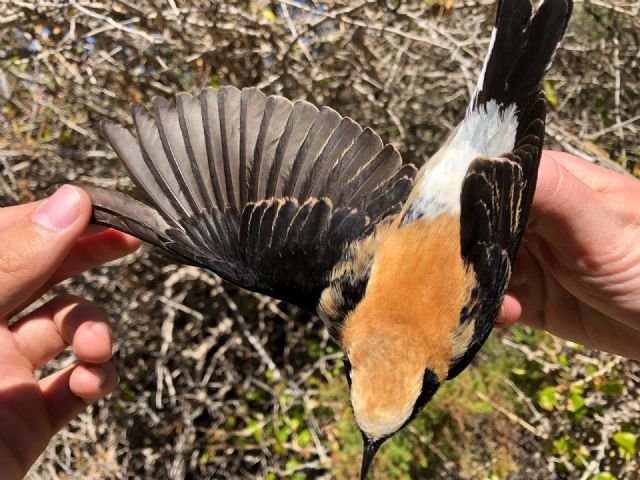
pixel 347 369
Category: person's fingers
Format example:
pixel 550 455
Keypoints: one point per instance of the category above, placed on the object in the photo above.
pixel 588 239
pixel 621 190
pixel 33 248
pixel 526 295
pixel 522 277
pixel 598 178
pixel 92 382
pixel 10 215
pixel 94 250
pixel 67 392
pixel 510 311
pixel 65 320
pixel 88 252
pixel 568 214
pixel 15 213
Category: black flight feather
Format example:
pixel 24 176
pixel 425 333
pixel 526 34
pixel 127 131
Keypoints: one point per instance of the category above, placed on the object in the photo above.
pixel 228 105
pixel 252 106
pixel 521 51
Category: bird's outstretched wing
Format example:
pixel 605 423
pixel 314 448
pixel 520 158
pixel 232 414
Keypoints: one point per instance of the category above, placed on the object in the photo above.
pixel 264 192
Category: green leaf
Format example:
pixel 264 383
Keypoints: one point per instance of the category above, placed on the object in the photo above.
pixel 231 422
pixel 576 404
pixel 251 395
pixel 577 400
pixel 294 423
pixel 574 346
pixel 480 408
pixel 563 360
pixel 626 441
pixel 550 93
pixel 326 82
pixel 561 445
pixel 304 437
pixel 614 388
pixel 579 456
pixel 291 464
pixel 255 428
pixel 283 434
pixel 603 476
pixel 547 398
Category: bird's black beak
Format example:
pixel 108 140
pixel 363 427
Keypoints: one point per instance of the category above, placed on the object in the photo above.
pixel 370 449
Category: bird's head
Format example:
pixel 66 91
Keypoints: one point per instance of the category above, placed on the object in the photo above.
pixel 391 381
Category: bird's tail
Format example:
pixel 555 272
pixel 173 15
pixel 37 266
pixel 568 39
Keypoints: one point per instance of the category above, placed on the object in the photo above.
pixel 521 50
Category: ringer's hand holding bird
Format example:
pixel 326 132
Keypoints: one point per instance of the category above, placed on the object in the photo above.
pixel 408 272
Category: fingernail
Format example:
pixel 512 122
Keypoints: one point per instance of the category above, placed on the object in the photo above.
pixel 99 373
pixel 59 211
pixel 102 329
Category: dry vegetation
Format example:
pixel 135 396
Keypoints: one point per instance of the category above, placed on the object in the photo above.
pixel 220 383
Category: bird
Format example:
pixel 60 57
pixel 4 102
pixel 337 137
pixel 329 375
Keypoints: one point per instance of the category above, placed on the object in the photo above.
pixel 407 268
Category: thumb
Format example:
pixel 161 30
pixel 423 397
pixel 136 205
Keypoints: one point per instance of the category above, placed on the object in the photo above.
pixel 32 248
pixel 566 212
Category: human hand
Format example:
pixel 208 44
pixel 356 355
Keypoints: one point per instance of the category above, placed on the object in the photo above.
pixel 577 274
pixel 42 244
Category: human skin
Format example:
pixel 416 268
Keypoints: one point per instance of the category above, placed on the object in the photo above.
pixel 43 244
pixel 577 274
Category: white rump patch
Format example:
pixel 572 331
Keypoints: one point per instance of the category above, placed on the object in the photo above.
pixel 488 131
